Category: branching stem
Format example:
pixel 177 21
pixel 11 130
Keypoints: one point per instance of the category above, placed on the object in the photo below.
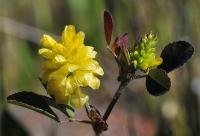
pixel 115 99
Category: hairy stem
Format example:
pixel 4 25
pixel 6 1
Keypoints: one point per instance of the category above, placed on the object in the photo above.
pixel 115 98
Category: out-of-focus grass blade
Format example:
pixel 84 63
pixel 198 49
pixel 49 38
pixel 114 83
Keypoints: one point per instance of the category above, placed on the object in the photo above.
pixel 11 127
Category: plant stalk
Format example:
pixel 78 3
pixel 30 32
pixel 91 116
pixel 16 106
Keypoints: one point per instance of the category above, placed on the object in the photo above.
pixel 115 98
pixel 123 84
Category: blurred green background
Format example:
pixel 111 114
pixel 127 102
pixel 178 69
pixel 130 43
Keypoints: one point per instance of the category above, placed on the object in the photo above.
pixel 22 22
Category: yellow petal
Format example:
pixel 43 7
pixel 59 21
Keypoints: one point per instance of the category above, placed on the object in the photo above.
pixel 72 67
pixel 82 53
pixel 47 41
pixel 68 34
pixel 79 79
pixel 99 70
pixel 46 75
pixel 61 98
pixel 78 39
pixel 46 53
pixel 70 86
pixel 55 85
pixel 93 82
pixel 78 99
pixel 93 66
pixel 84 78
pixel 87 52
pixel 49 65
pixel 59 59
pixel 89 64
pixel 60 49
pixel 62 71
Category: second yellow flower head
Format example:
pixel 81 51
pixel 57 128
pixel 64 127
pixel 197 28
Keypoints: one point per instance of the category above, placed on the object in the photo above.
pixel 68 66
pixel 144 55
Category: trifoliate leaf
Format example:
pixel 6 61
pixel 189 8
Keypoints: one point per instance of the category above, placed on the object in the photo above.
pixel 157 82
pixel 175 55
pixel 32 101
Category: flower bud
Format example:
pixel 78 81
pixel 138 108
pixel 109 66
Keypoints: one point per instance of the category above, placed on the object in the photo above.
pixel 143 56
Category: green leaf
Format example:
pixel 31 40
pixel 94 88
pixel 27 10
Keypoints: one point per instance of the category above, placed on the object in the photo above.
pixel 66 109
pixel 70 111
pixel 34 102
pixel 10 126
pixel 157 82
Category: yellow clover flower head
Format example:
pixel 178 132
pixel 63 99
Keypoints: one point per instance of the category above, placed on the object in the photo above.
pixel 144 55
pixel 68 66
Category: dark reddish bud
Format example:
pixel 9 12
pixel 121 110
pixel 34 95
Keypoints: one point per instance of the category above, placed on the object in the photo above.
pixel 98 123
pixel 108 26
pixel 120 42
